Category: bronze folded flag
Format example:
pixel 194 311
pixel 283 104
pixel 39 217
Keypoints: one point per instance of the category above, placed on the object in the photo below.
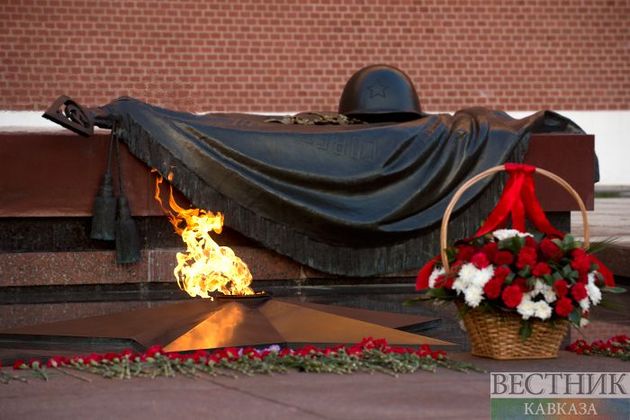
pixel 351 199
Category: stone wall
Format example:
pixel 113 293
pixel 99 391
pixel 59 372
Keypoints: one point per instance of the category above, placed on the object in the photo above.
pixel 282 56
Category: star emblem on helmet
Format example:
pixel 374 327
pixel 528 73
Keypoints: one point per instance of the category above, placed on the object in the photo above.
pixel 377 89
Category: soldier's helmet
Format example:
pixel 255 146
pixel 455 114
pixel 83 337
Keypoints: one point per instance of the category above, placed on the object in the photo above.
pixel 380 93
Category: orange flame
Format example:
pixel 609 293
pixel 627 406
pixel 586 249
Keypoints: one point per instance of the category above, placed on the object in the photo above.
pixel 205 267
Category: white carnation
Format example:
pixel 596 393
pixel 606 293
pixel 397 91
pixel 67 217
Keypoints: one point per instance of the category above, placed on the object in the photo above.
pixel 483 276
pixel 542 288
pixel 467 273
pixel 458 285
pixel 437 272
pixel 542 310
pixel 502 234
pixel 594 294
pixel 527 308
pixel 584 322
pixel 549 294
pixel 585 304
pixel 473 296
pixel 538 288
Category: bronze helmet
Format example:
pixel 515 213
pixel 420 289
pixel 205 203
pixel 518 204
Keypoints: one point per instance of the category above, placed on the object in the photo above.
pixel 380 93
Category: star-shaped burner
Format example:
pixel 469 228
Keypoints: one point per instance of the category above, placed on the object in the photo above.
pixel 225 322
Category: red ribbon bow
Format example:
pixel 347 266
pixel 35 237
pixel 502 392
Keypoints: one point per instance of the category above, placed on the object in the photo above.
pixel 519 200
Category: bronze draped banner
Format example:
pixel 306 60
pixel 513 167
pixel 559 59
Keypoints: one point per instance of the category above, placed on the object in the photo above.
pixel 355 200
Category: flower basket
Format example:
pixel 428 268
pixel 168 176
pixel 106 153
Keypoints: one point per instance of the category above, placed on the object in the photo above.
pixel 496 336
pixel 516 292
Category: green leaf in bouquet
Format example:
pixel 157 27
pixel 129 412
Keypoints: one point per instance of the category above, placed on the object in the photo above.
pixel 615 290
pixel 549 279
pixel 526 329
pixel 440 293
pixel 595 247
pixel 416 300
pixel 525 272
pixel 510 278
pixel 451 253
pixel 569 273
pixel 575 316
pixel 569 243
pixel 478 242
pixel 513 244
pixel 566 270
pixel 556 276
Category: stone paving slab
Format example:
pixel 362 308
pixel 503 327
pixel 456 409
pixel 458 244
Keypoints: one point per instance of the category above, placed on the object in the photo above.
pixel 611 218
pixel 446 394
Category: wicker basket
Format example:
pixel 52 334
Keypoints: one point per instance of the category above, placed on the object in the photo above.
pixel 496 335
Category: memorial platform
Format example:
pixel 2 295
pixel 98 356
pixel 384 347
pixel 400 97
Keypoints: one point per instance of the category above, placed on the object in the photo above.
pixel 282 396
pixel 51 271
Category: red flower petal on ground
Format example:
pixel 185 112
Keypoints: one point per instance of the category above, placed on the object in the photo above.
pixel 503 258
pixel 153 350
pixel 57 361
pixel 526 257
pixel 564 307
pixel 541 269
pixel 561 287
pixel 578 291
pixel 512 296
pixel 550 250
pixel 480 260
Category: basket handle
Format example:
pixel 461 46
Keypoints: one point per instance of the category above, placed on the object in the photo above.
pixel 460 191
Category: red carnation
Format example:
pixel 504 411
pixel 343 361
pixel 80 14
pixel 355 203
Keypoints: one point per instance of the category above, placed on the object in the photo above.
pixel 578 291
pixel 530 242
pixel 550 250
pixel 503 258
pixel 578 252
pixel 480 260
pixel 561 287
pixel 464 252
pixel 501 272
pixel 440 281
pixel 581 263
pixel 522 283
pixel 492 289
pixel 490 249
pixel 541 269
pixel 526 256
pixel 512 296
pixel 564 307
